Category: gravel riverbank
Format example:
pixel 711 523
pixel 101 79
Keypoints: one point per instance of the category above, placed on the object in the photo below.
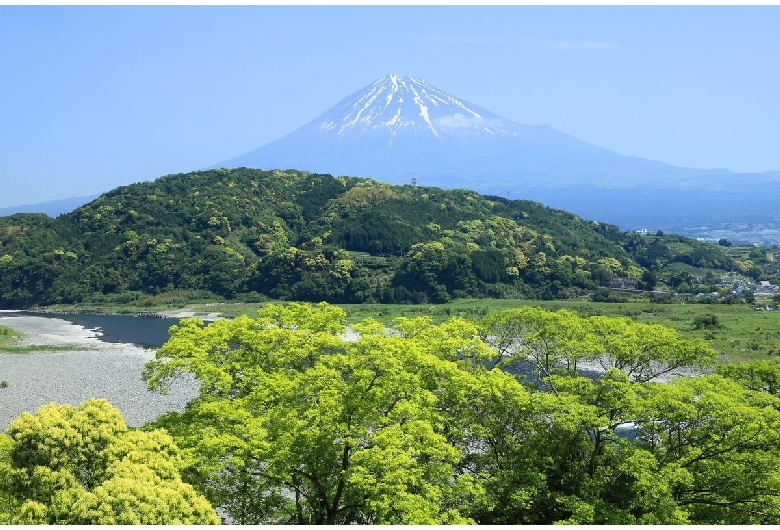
pixel 91 368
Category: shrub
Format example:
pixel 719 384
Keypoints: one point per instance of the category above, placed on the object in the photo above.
pixel 707 321
pixel 605 295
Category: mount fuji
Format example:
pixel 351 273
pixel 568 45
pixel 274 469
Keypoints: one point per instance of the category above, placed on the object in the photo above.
pixel 400 126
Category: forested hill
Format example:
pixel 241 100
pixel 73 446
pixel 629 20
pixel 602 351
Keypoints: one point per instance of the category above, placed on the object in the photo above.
pixel 291 235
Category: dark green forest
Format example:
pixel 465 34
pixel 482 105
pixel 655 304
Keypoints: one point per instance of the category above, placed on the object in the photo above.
pixel 252 235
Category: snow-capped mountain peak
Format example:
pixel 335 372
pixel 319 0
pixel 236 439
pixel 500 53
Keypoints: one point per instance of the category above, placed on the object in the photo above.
pixel 396 102
pixel 399 126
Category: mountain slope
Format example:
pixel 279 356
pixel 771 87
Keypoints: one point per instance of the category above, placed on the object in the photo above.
pixel 294 235
pixel 399 126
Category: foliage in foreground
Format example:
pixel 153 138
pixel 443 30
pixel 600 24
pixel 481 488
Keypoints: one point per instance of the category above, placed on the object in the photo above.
pixel 427 424
pixel 82 465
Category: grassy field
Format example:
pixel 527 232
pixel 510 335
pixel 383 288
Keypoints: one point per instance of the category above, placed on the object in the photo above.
pixel 745 333
pixel 8 336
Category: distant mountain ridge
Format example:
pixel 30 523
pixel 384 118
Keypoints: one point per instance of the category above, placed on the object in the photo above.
pixel 399 126
pixel 50 208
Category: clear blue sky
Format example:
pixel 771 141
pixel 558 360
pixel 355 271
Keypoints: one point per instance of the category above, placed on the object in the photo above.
pixel 96 97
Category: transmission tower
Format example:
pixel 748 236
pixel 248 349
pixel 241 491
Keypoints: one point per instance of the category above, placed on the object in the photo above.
pixel 414 180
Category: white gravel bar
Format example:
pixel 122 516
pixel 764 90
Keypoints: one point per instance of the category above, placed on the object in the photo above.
pixel 89 369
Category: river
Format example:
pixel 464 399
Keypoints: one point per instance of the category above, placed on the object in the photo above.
pixel 141 331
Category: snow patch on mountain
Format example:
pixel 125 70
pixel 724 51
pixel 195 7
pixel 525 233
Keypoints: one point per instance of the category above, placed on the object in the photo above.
pixel 397 102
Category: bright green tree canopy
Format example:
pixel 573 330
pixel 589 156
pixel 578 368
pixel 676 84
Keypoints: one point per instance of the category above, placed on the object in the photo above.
pixel 82 465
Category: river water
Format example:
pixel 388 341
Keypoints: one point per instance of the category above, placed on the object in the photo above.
pixel 141 331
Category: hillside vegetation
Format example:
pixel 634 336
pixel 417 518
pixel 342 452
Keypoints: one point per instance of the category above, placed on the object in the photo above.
pixel 251 235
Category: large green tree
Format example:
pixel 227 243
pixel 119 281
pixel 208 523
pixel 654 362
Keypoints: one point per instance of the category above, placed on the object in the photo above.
pixel 82 465
pixel 295 425
pixel 298 423
pixel 560 342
